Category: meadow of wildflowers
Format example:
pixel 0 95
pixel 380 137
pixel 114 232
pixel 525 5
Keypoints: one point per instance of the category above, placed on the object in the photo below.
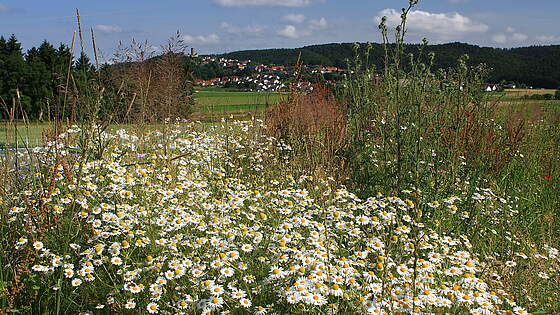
pixel 204 220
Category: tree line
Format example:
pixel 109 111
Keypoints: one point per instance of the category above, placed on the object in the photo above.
pixel 47 83
pixel 536 66
pixel 38 75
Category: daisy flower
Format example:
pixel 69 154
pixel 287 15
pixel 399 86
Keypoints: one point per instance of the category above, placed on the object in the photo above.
pixel 152 308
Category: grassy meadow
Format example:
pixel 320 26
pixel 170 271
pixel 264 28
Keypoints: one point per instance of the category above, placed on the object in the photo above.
pixel 215 222
pixel 413 194
pixel 509 95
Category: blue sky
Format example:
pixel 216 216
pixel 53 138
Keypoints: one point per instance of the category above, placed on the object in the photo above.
pixel 215 26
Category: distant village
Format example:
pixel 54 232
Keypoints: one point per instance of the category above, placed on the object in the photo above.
pixel 266 78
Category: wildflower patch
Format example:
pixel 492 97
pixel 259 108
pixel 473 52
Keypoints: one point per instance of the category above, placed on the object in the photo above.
pixel 198 222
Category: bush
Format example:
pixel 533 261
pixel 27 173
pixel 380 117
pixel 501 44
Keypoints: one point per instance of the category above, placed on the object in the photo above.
pixel 151 88
pixel 314 126
pixel 539 97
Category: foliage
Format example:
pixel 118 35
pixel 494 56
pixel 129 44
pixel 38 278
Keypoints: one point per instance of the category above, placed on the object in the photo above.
pixel 412 129
pixel 38 75
pixel 151 88
pixel 206 70
pixel 313 125
pixel 52 85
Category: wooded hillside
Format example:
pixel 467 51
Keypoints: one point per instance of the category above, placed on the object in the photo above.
pixel 537 66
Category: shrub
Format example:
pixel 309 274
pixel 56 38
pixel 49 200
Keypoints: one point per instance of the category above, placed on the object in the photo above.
pixel 151 88
pixel 540 97
pixel 313 125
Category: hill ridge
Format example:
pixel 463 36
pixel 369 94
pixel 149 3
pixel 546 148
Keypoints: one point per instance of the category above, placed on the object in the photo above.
pixel 537 66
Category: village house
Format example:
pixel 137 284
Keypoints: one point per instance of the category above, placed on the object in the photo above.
pixel 490 87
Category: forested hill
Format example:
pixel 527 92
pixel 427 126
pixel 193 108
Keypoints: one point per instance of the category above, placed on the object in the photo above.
pixel 537 66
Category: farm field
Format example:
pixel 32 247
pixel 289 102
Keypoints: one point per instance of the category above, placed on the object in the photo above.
pixel 519 94
pixel 530 91
pixel 33 134
pixel 213 104
pixel 521 105
pixel 218 100
pixel 30 134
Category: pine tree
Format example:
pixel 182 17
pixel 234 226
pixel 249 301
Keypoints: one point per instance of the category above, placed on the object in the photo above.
pixel 38 82
pixel 13 71
pixel 60 67
pixel 83 64
pixel 3 70
pixel 47 53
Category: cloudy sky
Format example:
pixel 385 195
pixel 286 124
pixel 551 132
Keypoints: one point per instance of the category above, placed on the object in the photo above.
pixel 216 26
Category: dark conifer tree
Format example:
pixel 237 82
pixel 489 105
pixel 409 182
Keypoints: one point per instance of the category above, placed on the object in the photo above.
pixel 3 70
pixel 13 73
pixel 38 85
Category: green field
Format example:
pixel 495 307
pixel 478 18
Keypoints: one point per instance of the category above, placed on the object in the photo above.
pixel 208 101
pixel 35 133
pixel 519 94
pixel 30 134
pixel 220 100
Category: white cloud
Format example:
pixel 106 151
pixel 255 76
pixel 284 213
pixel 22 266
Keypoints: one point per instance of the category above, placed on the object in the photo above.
pixel 548 38
pixel 108 28
pixel 294 18
pixel 518 37
pixel 291 31
pixel 279 3
pixel 510 29
pixel 253 29
pixel 499 38
pixel 502 38
pixel 211 39
pixel 320 24
pixel 447 26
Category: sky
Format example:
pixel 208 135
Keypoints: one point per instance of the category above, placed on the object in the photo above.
pixel 218 26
